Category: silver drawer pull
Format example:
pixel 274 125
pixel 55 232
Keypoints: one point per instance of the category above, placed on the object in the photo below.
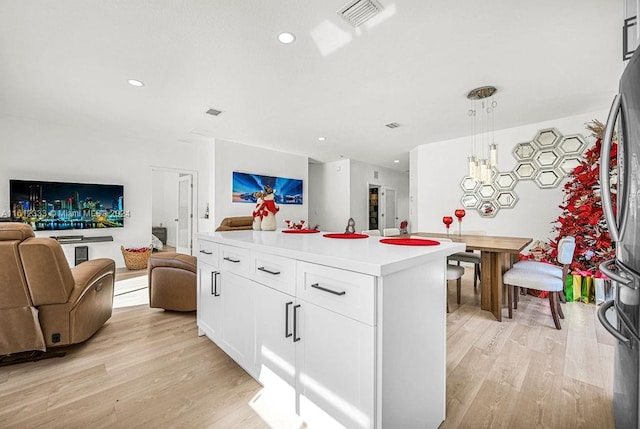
pixel 206 253
pixel 275 273
pixel 227 258
pixel 317 286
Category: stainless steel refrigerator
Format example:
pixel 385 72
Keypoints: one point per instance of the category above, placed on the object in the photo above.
pixel 624 227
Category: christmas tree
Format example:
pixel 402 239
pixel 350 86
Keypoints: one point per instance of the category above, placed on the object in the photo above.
pixel 582 214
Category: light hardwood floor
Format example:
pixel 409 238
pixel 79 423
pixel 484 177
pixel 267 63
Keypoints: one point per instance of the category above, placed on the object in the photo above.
pixel 148 368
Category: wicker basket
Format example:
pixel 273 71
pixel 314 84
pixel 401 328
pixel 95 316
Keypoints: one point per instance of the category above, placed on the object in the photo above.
pixel 136 260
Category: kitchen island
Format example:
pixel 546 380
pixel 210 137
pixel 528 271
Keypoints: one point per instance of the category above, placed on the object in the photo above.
pixel 343 333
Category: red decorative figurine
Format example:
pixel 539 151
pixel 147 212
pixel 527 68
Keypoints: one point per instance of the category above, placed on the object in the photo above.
pixel 460 214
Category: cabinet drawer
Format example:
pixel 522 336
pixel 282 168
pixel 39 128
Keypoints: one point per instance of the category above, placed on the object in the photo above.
pixel 235 260
pixel 275 271
pixel 208 252
pixel 345 292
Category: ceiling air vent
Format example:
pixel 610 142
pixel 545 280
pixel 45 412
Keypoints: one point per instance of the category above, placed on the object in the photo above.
pixel 213 112
pixel 359 11
pixel 392 125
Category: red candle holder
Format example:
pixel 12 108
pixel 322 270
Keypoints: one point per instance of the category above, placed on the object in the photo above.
pixel 447 220
pixel 460 214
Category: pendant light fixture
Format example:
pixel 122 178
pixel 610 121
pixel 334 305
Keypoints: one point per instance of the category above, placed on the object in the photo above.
pixel 484 150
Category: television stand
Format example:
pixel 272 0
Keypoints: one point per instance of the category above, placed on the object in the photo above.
pixel 66 239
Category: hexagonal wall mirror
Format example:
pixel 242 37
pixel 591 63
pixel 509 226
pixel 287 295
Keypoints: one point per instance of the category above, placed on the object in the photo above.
pixel 507 199
pixel 547 138
pixel 524 151
pixel 506 181
pixel 488 209
pixel 469 201
pixel 568 165
pixel 573 144
pixel 548 178
pixel 546 158
pixel 487 191
pixel 469 184
pixel 525 170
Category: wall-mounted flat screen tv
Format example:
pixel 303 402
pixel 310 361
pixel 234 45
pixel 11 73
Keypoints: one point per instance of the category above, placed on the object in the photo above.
pixel 54 206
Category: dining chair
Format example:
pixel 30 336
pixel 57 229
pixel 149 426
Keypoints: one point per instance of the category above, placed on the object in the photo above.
pixel 470 257
pixel 542 276
pixel 454 272
pixel 372 232
pixel 390 232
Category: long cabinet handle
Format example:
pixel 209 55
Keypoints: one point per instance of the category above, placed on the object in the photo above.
pixel 227 258
pixel 206 253
pixel 275 273
pixel 287 334
pixel 608 326
pixel 335 292
pixel 214 283
pixel 296 338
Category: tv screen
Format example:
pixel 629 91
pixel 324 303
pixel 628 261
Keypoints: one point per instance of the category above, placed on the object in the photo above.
pixel 60 206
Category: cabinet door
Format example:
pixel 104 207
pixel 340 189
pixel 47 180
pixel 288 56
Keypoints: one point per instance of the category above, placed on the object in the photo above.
pixel 209 314
pixel 335 362
pixel 274 348
pixel 237 316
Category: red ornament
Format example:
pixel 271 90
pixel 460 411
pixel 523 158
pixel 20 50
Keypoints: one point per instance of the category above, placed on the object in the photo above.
pixel 447 220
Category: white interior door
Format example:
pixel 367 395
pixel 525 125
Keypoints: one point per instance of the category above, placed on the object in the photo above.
pixel 390 212
pixel 185 214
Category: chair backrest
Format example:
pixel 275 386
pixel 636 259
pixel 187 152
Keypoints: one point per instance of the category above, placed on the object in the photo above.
pixel 14 291
pixel 566 249
pixel 371 232
pixel 390 232
pixel 47 271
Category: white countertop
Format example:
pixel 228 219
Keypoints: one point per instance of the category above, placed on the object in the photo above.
pixel 366 255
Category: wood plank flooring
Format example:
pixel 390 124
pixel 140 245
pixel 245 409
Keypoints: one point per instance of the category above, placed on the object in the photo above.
pixel 148 368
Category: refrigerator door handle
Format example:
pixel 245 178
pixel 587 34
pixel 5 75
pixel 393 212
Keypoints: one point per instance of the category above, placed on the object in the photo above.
pixel 605 154
pixel 604 267
pixel 608 326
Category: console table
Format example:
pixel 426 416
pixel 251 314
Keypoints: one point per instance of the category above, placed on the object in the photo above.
pixel 348 332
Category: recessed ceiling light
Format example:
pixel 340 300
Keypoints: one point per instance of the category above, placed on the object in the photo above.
pixel 134 82
pixel 397 161
pixel 286 37
pixel 321 139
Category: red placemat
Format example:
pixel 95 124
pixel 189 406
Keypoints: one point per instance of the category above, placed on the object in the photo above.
pixel 300 231
pixel 343 235
pixel 409 241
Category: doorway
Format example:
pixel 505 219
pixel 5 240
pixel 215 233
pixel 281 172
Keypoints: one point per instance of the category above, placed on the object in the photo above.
pixel 173 202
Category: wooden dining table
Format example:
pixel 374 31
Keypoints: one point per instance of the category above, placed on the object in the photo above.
pixel 496 256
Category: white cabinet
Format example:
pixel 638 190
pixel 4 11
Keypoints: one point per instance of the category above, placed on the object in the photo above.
pixel 325 326
pixel 209 311
pixel 237 317
pixel 334 369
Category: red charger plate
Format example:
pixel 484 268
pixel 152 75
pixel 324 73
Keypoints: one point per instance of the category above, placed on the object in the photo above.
pixel 343 235
pixel 300 231
pixel 409 241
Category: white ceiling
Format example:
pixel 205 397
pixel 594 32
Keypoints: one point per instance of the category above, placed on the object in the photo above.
pixel 68 62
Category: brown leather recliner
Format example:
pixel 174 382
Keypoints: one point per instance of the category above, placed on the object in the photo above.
pixel 236 223
pixel 172 281
pixel 68 305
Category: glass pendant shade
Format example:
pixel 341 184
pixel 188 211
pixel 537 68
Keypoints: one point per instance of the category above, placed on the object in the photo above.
pixel 472 166
pixel 484 171
pixel 493 155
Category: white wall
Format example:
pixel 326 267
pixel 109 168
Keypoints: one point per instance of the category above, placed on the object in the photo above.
pixel 340 190
pixel 438 168
pixel 39 151
pixel 363 175
pixel 330 195
pixel 230 157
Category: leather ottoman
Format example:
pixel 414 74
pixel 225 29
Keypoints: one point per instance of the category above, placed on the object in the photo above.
pixel 172 281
